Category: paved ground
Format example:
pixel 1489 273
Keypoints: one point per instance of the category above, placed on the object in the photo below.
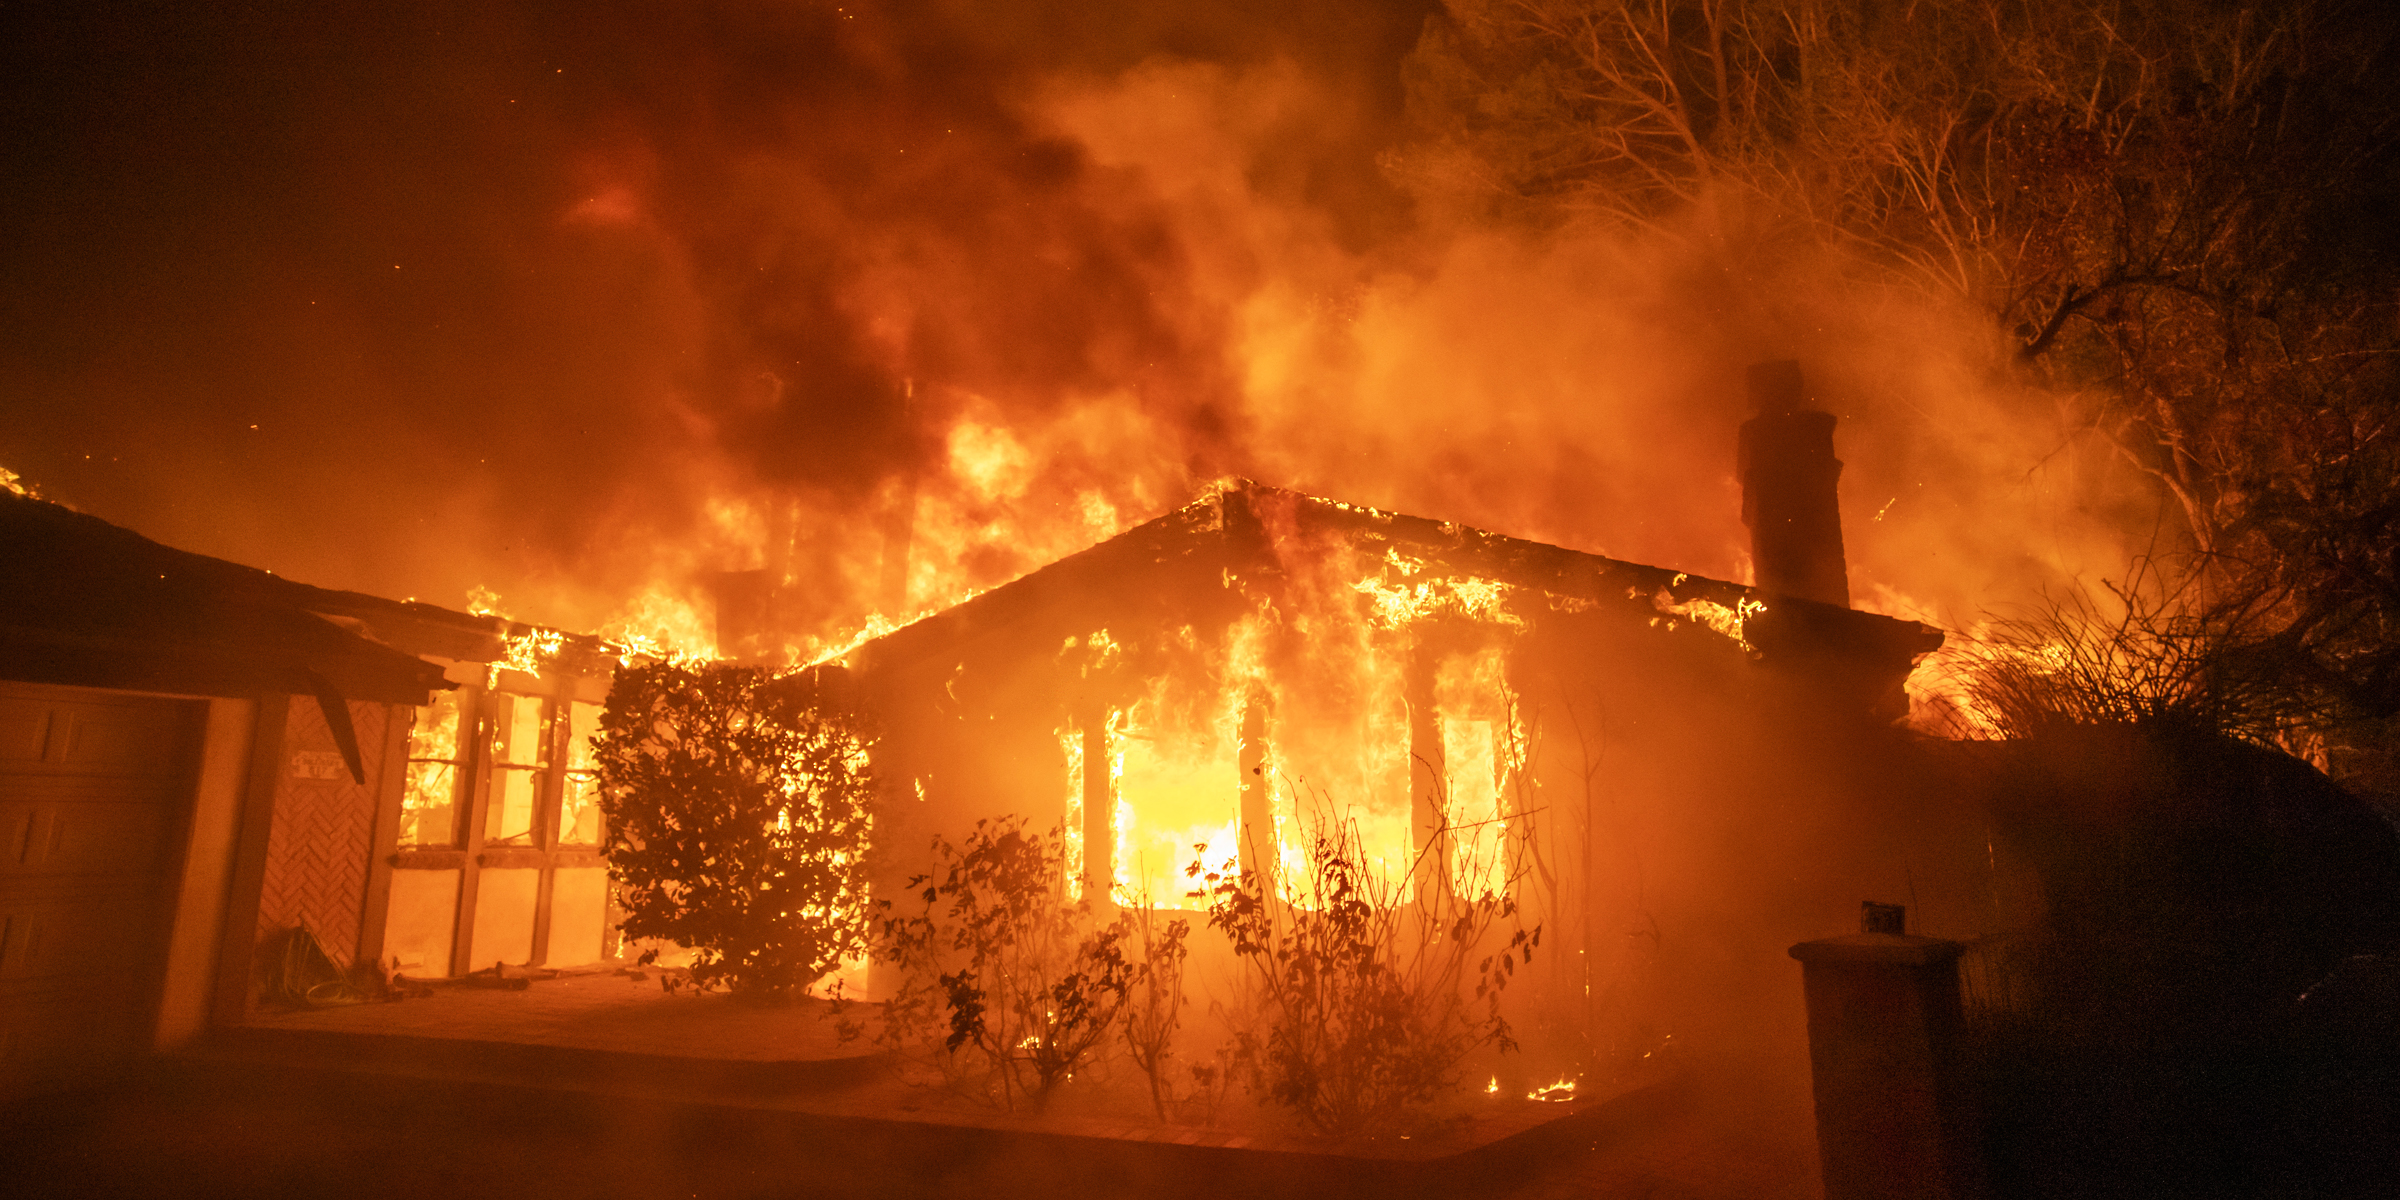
pixel 231 1133
pixel 494 1093
pixel 1735 1133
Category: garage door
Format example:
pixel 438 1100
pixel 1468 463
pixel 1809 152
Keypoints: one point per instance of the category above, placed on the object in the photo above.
pixel 94 788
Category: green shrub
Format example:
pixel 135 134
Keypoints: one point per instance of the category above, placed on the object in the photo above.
pixel 737 806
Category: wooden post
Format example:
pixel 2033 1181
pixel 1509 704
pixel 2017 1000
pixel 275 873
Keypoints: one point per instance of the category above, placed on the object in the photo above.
pixel 548 805
pixel 1428 782
pixel 1099 814
pixel 239 941
pixel 384 843
pixel 476 732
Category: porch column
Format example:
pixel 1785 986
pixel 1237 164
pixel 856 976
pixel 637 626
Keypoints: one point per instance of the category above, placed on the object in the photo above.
pixel 1428 782
pixel 1258 814
pixel 1099 814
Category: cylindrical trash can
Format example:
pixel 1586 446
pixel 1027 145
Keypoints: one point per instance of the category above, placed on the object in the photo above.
pixel 1895 1118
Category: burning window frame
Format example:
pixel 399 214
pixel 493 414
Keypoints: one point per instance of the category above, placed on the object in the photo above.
pixel 484 894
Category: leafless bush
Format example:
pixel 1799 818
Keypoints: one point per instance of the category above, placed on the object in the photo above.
pixel 2136 656
pixel 1363 995
pixel 1155 1013
pixel 1212 1080
pixel 1004 980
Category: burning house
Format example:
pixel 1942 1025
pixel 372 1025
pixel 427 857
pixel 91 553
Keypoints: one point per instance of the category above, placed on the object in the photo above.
pixel 206 758
pixel 1615 744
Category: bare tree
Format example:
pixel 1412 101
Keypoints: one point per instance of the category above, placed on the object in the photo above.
pixel 2177 208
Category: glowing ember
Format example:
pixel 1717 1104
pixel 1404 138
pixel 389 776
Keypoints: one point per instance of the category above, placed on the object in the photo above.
pixel 484 602
pixel 1729 621
pixel 1404 595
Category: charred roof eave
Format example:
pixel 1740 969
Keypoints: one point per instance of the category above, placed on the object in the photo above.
pixel 90 604
pixel 1224 530
pixel 231 666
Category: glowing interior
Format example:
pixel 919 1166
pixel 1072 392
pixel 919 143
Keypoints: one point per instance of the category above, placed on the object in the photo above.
pixel 1179 788
pixel 1337 759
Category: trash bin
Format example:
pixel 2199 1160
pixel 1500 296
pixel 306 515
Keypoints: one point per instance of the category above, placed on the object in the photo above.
pixel 1895 1118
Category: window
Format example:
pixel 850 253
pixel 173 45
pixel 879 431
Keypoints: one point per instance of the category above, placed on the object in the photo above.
pixel 1482 752
pixel 520 769
pixel 436 773
pixel 498 828
pixel 579 811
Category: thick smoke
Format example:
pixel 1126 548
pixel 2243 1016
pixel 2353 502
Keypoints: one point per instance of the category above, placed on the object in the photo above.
pixel 580 306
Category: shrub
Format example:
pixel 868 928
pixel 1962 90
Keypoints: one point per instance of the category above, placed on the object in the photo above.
pixel 737 813
pixel 2137 654
pixel 999 969
pixel 1362 996
pixel 1155 1012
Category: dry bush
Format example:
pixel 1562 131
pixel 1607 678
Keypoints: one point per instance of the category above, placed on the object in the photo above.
pixel 1362 997
pixel 2132 657
pixel 1006 984
pixel 1155 1014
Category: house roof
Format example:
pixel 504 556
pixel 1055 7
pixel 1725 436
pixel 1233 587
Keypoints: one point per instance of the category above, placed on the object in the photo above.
pixel 1244 529
pixel 86 603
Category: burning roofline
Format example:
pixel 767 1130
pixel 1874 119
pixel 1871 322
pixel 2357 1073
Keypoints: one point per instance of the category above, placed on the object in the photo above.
pixel 1173 550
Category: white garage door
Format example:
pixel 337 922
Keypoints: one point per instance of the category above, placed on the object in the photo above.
pixel 95 788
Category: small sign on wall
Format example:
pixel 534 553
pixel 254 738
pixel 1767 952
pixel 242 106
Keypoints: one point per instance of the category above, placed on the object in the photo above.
pixel 318 764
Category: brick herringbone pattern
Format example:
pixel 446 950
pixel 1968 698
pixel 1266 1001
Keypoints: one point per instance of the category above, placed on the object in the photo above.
pixel 322 838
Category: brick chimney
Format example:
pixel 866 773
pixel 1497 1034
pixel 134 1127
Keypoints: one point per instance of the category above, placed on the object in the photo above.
pixel 1788 490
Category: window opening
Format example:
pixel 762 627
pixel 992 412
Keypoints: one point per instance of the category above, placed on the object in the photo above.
pixel 579 819
pixel 520 762
pixel 1177 778
pixel 1478 751
pixel 436 767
